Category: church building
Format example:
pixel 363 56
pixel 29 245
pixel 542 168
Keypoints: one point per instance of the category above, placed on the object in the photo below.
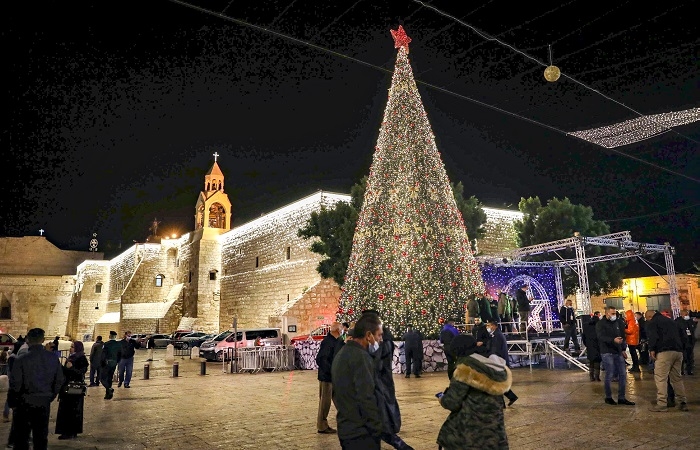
pixel 261 273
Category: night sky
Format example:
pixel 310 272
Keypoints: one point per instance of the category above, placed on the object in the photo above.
pixel 115 108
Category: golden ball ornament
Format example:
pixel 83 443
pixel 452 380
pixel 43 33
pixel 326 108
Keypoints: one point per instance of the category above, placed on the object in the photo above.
pixel 552 73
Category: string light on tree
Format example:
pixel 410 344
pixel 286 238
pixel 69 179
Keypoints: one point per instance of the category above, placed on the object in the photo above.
pixel 411 259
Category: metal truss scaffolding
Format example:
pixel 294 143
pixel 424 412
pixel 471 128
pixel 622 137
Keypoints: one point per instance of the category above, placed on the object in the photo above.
pixel 622 241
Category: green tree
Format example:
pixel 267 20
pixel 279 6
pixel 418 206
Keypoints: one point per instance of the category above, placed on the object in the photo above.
pixel 560 219
pixel 334 227
pixel 472 212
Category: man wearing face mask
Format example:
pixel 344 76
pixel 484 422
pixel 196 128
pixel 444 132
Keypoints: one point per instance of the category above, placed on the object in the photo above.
pixel 498 346
pixel 688 326
pixel 359 418
pixel 611 338
pixel 383 353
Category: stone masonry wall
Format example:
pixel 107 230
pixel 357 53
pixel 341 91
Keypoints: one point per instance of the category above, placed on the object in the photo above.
pixel 315 307
pixel 34 255
pixel 37 301
pixel 258 276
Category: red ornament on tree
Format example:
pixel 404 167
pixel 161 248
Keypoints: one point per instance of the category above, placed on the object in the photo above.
pixel 423 311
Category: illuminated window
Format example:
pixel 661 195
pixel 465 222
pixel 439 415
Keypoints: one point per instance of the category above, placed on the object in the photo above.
pixel 159 280
pixel 98 288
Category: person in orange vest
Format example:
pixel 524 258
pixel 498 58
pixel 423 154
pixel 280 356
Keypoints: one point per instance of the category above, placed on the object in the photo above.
pixel 632 338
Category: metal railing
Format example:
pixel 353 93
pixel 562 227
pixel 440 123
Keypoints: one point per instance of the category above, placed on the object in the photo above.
pixel 256 359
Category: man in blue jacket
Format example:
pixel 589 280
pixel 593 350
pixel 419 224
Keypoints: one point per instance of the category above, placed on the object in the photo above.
pixel 498 346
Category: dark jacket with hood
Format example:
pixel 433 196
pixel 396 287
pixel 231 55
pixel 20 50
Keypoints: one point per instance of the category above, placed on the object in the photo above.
pixel 475 402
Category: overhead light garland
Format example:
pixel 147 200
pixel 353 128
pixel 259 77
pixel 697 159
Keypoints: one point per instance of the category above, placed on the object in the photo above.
pixel 639 129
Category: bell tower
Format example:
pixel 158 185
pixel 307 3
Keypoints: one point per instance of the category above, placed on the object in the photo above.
pixel 213 208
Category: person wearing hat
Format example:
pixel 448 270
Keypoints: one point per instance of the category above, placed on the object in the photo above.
pixel 111 354
pixel 474 399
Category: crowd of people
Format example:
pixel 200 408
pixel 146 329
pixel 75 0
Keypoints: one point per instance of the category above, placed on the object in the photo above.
pixel 35 378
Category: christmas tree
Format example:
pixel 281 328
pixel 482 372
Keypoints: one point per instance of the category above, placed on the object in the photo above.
pixel 411 260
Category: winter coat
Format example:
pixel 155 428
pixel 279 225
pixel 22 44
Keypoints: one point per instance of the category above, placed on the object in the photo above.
pixel 632 330
pixel 504 307
pixel 446 335
pixel 688 327
pixel 472 308
pixel 413 340
pixel 522 300
pixel 354 396
pixel 324 357
pixel 607 331
pixel 590 338
pixel 384 388
pixel 484 309
pixel 664 334
pixel 481 334
pixel 475 401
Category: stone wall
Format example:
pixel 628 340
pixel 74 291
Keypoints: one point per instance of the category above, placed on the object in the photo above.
pixel 36 301
pixel 34 255
pixel 314 308
pixel 90 300
pixel 266 265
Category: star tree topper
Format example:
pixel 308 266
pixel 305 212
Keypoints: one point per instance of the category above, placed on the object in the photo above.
pixel 401 39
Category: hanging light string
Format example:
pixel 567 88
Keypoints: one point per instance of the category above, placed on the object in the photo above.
pixel 582 84
pixel 432 86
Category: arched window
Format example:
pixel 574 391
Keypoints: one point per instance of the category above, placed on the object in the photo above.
pixel 5 309
pixel 98 288
pixel 159 280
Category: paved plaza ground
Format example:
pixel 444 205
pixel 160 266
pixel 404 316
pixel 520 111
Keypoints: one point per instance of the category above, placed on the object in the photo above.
pixel 557 409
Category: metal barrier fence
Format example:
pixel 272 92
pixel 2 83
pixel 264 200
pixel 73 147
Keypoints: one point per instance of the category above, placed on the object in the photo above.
pixel 182 351
pixel 256 359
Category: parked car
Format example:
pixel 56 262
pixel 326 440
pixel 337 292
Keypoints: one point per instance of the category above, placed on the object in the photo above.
pixel 317 335
pixel 216 349
pixel 7 341
pixel 161 340
pixel 189 340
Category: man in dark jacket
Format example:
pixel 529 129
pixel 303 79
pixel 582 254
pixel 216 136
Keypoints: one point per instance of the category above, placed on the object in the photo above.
pixel 590 340
pixel 36 380
pixel 384 389
pixel 126 364
pixel 111 354
pixel 499 346
pixel 413 351
pixel 523 306
pixel 643 340
pixel 324 361
pixel 567 317
pixel 472 309
pixel 666 349
pixel 95 358
pixel 484 308
pixel 353 374
pixel 481 334
pixel 449 331
pixel 688 325
pixel 611 339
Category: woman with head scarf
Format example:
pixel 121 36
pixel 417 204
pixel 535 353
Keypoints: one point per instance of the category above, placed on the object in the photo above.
pixel 69 419
pixel 474 399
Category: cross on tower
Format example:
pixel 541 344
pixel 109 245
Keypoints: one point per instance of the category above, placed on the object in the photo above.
pixel 41 232
pixel 216 155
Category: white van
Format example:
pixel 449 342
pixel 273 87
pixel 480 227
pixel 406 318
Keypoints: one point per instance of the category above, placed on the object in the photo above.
pixel 214 349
